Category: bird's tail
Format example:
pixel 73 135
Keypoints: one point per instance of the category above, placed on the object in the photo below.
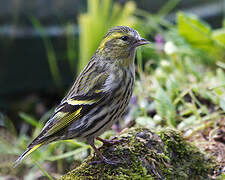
pixel 26 153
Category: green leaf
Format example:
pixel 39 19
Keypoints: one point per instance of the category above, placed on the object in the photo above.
pixel 193 29
pixel 188 122
pixel 71 48
pixel 219 35
pixel 50 52
pixel 168 7
pixel 165 107
pixel 80 153
pixel 44 172
pixel 173 87
pixel 145 122
pixel 7 123
pixel 199 35
pixel 222 103
pixel 29 119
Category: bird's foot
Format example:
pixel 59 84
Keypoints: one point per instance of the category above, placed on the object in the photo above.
pixel 103 159
pixel 110 142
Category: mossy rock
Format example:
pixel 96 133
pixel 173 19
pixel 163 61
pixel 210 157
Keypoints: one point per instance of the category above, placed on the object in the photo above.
pixel 147 155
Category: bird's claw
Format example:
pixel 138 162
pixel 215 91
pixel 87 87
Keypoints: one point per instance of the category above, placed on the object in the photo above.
pixel 110 142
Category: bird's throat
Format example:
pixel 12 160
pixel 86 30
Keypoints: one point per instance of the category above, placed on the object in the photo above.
pixel 128 60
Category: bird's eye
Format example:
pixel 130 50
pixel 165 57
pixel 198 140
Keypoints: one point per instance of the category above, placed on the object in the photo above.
pixel 124 38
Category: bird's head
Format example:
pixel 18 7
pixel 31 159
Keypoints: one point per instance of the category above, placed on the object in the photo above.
pixel 120 43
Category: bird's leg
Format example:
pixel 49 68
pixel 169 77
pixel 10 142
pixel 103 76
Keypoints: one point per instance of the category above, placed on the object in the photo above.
pixel 103 159
pixel 109 142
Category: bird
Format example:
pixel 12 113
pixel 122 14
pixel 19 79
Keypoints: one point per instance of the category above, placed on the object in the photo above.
pixel 99 96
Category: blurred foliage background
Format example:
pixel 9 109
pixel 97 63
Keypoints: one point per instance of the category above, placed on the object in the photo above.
pixel 180 76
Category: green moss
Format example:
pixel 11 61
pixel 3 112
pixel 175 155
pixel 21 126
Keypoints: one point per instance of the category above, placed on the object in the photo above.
pixel 186 159
pixel 147 155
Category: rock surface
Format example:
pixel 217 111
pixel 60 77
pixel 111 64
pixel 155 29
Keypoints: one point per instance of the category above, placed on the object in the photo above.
pixel 144 154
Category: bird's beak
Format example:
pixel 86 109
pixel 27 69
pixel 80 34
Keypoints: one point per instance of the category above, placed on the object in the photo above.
pixel 141 42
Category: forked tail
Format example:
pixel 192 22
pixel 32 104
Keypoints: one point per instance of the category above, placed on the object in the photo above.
pixel 26 153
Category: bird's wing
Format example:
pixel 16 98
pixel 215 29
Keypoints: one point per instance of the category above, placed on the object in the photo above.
pixel 71 110
pixel 77 104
